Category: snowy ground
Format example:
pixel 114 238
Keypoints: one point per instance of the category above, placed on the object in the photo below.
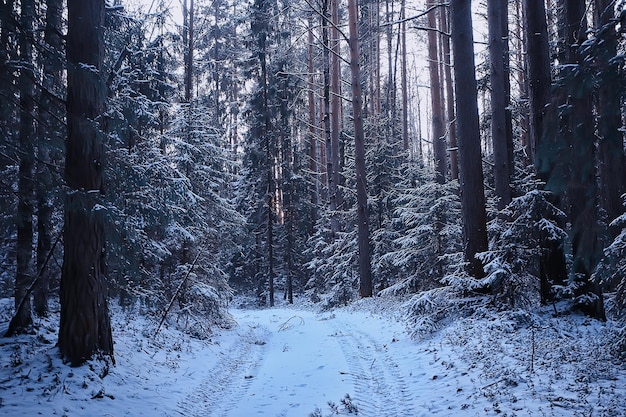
pixel 294 361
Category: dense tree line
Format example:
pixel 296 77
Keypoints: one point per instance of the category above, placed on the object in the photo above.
pixel 279 149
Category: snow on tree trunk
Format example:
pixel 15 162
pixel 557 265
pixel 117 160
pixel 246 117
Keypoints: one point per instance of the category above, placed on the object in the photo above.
pixel 84 327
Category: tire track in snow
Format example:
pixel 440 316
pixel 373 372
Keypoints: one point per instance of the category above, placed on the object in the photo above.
pixel 381 389
pixel 230 379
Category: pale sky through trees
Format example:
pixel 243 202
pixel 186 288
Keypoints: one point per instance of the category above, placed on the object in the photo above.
pixel 418 79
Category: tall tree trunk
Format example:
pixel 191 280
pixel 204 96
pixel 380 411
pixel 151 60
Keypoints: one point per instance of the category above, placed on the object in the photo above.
pixel 611 144
pixel 498 35
pixel 390 96
pixel 48 129
pixel 403 82
pixel 8 54
pixel 508 114
pixel 261 30
pixel 188 29
pixel 26 182
pixel 365 269
pixel 471 173
pixel 522 82
pixel 312 131
pixel 84 327
pixel 539 79
pixel 438 130
pixel 335 111
pixel 552 265
pixel 217 70
pixel 579 126
pixel 328 133
pixel 451 114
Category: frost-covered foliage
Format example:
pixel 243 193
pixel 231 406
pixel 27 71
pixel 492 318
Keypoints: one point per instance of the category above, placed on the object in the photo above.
pixel 169 187
pixel 271 192
pixel 333 267
pixel 172 205
pixel 427 228
pixel 386 166
pixel 8 232
pixel 522 235
pixel 611 274
pixel 435 309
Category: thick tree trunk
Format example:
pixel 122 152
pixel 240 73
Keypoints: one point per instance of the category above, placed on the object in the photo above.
pixel 471 173
pixel 365 269
pixel 539 79
pixel 581 187
pixel 498 35
pixel 552 264
pixel 84 327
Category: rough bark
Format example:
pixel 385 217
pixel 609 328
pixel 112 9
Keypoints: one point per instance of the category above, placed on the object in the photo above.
pixel 365 269
pixel 471 173
pixel 84 326
pixel 539 79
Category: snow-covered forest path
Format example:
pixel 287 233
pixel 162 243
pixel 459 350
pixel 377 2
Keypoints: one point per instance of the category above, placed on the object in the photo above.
pixel 294 362
pixel 290 361
pixel 286 362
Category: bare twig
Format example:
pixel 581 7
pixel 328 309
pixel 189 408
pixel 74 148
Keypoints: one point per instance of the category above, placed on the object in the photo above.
pixel 13 324
pixel 180 286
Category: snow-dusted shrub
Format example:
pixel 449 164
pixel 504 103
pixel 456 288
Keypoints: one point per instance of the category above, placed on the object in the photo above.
pixel 333 269
pixel 346 406
pixel 523 234
pixel 611 274
pixel 427 225
pixel 432 310
pixel 169 203
pixel 611 271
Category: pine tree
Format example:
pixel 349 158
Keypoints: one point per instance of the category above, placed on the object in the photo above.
pixel 22 320
pixel 365 268
pixel 471 174
pixel 85 327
